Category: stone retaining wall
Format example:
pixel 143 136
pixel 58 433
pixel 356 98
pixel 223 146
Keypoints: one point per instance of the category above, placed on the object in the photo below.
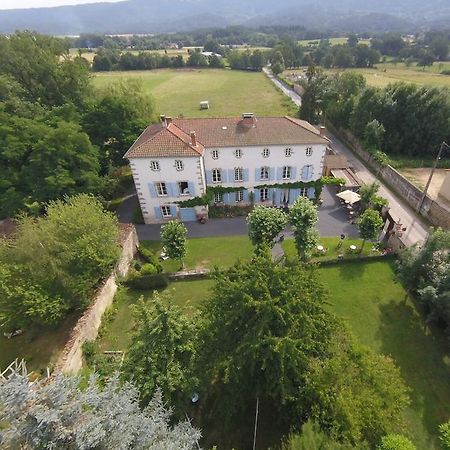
pixel 431 210
pixel 86 329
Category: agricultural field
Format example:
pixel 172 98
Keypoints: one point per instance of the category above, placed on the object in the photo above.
pixel 387 73
pixel 333 41
pixel 229 92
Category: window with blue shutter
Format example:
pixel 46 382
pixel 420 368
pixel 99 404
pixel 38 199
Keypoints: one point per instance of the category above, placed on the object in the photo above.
pixel 279 173
pixel 158 213
pixel 245 174
pixel 173 189
pixel 293 172
pixel 245 194
pixel 208 174
pixel 311 193
pixel 191 187
pixel 257 174
pixel 152 190
pixel 305 171
pixel 272 173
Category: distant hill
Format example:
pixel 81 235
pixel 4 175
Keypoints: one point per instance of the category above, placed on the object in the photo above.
pixel 155 16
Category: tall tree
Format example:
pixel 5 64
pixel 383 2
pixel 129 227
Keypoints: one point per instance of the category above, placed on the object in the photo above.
pixel 60 414
pixel 303 217
pixel 161 351
pixel 264 225
pixel 396 442
pixel 312 96
pixel 173 238
pixel 369 224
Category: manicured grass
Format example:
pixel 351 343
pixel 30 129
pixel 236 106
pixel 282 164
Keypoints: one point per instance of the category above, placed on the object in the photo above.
pixel 331 249
pixel 39 347
pixel 229 92
pixel 380 314
pixel 116 334
pixel 206 253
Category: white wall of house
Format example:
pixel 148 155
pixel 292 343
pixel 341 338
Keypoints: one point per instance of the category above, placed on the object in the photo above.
pixel 146 181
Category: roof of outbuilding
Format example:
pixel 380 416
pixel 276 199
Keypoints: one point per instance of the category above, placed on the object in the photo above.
pixel 174 140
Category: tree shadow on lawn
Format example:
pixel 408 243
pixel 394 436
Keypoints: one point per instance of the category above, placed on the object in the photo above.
pixel 352 269
pixel 421 355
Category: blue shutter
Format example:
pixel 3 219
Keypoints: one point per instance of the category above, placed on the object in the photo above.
pixel 311 172
pixel 158 213
pixel 245 175
pixel 272 173
pixel 230 175
pixel 270 195
pixel 191 187
pixel 173 210
pixel 279 173
pixel 208 174
pixel 226 198
pixel 305 172
pixel 293 195
pixel 311 193
pixel 293 172
pixel 257 174
pixel 172 189
pixel 245 196
pixel 152 190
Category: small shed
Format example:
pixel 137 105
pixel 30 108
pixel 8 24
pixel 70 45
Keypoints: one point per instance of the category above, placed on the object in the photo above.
pixel 204 104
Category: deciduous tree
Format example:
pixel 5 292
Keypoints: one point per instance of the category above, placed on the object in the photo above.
pixel 369 224
pixel 264 225
pixel 303 217
pixel 396 442
pixel 173 238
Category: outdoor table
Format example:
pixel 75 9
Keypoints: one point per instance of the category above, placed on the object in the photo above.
pixel 353 247
pixel 320 248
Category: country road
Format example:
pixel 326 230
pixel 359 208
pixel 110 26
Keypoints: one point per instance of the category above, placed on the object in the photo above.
pixel 416 228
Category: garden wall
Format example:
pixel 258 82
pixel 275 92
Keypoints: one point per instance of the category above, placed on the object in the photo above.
pixel 86 329
pixel 431 210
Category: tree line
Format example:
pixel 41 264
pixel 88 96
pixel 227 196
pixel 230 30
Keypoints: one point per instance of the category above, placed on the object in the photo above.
pixel 58 135
pixel 400 119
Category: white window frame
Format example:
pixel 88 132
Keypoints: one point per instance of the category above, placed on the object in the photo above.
pixel 266 153
pixel 287 172
pixel 309 151
pixel 288 152
pixel 166 212
pixel 264 173
pixel 238 153
pixel 263 194
pixel 179 165
pixel 239 196
pixel 154 165
pixel 161 189
pixel 218 197
pixel 303 192
pixel 238 174
pixel 216 176
pixel 215 154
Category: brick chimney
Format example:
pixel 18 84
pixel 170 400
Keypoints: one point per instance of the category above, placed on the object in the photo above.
pixel 168 121
pixel 162 118
pixel 193 139
pixel 249 120
pixel 322 131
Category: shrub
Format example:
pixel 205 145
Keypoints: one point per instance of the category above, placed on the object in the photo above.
pixel 148 269
pixel 146 282
pixel 396 442
pixel 444 434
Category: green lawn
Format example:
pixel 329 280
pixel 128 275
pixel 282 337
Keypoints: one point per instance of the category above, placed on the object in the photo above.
pixel 378 311
pixel 331 250
pixel 229 92
pixel 206 253
pixel 40 347
pixel 116 334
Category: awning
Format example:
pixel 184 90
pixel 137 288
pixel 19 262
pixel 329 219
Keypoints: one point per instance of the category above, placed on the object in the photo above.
pixel 349 196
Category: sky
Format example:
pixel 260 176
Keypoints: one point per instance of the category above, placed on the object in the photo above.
pixel 14 4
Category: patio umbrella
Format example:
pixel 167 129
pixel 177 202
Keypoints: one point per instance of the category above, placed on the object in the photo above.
pixel 349 196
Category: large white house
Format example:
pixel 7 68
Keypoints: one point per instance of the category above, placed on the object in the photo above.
pixel 176 160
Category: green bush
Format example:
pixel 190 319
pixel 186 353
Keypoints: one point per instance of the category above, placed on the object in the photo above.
pixel 149 257
pixel 396 442
pixel 148 269
pixel 444 435
pixel 146 282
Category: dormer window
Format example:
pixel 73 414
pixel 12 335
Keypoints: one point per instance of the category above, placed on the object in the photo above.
pixel 288 152
pixel 179 165
pixel 215 154
pixel 238 153
pixel 154 165
pixel 308 151
pixel 266 153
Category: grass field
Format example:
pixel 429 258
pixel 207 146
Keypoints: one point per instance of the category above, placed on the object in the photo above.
pixel 229 92
pixel 379 313
pixel 206 253
pixel 333 41
pixel 116 335
pixel 387 73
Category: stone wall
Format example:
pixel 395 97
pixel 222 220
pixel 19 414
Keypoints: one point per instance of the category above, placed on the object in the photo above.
pixel 86 329
pixel 431 210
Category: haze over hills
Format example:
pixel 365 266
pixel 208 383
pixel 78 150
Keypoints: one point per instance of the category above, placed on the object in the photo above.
pixel 155 16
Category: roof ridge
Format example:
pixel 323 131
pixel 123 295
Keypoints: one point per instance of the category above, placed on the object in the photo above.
pixel 188 141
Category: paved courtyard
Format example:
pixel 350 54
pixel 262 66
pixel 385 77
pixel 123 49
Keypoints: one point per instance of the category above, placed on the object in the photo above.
pixel 332 221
